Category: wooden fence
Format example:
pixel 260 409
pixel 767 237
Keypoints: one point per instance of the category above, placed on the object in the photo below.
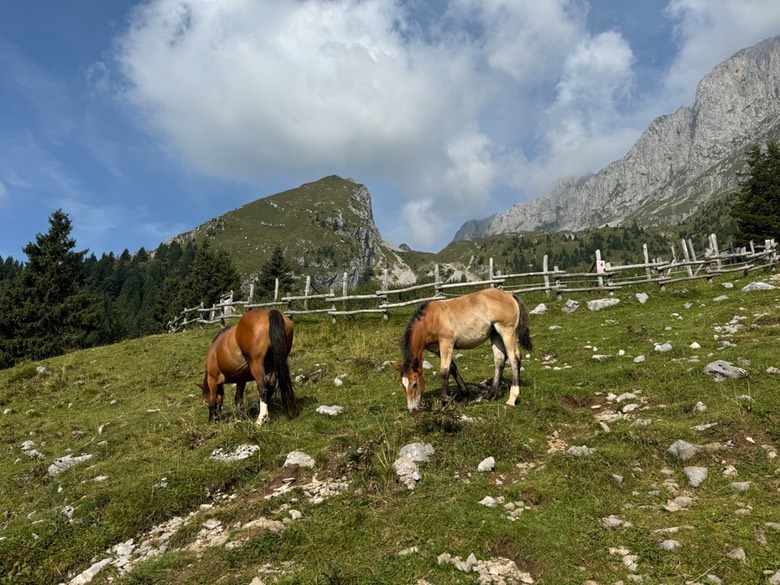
pixel 552 281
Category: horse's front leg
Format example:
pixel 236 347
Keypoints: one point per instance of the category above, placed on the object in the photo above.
pixel 445 353
pixel 238 401
pixel 215 404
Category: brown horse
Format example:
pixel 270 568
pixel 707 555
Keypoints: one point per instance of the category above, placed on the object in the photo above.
pixel 464 323
pixel 255 348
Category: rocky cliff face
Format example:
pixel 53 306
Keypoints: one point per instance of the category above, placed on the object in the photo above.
pixel 681 159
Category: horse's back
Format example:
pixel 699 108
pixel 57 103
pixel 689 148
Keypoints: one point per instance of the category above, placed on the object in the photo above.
pixel 253 332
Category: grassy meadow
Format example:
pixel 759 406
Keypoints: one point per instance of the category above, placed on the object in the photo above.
pixel 135 408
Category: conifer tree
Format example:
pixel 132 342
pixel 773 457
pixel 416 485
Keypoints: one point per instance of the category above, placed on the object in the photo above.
pixel 757 206
pixel 46 309
pixel 275 267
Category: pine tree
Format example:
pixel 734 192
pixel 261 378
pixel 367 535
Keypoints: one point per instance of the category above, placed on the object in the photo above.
pixel 275 267
pixel 757 206
pixel 46 309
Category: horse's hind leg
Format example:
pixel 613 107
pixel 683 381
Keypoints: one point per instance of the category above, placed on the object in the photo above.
pixel 264 389
pixel 499 360
pixel 463 391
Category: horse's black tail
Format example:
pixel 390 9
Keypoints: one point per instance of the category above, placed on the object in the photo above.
pixel 523 326
pixel 279 349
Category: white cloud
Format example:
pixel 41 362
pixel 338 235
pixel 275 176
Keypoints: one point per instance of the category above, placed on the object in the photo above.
pixel 711 31
pixel 489 97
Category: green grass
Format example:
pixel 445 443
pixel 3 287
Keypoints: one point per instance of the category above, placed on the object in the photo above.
pixel 134 406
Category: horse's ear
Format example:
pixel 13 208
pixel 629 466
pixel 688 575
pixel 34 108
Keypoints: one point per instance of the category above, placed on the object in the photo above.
pixel 416 364
pixel 200 385
pixel 396 366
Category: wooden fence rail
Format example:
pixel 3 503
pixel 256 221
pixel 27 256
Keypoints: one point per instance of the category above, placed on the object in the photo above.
pixel 556 281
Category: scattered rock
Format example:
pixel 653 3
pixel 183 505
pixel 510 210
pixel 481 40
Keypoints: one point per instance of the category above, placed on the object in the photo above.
pixel 642 297
pixel 662 347
pixel 570 306
pixel 300 459
pixel 239 453
pixel 758 286
pixel 330 410
pixel 599 304
pixel 721 370
pixel 683 450
pixel 696 475
pixel 407 471
pixel 540 309
pixel 579 451
pixel 487 464
pixel 419 452
pixel 670 545
pixel 66 462
pixel 639 359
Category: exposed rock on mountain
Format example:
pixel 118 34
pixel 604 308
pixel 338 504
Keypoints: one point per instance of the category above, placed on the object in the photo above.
pixel 681 160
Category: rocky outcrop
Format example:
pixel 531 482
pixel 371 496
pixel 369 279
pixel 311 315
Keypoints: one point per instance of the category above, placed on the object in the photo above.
pixel 680 161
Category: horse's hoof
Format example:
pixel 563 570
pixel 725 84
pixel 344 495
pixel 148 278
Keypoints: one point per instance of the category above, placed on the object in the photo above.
pixel 262 421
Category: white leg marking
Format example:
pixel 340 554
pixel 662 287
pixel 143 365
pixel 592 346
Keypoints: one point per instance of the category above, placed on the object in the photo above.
pixel 262 418
pixel 514 392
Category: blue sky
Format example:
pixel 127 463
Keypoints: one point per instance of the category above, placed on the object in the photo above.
pixel 142 120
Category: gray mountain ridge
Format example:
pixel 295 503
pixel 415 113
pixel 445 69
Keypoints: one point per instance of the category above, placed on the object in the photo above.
pixel 680 161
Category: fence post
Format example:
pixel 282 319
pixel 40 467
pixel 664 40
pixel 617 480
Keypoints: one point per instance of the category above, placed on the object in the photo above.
pixel 546 276
pixel 647 262
pixel 276 289
pixel 385 279
pixel 600 264
pixel 491 271
pixel 687 258
pixel 436 287
pixel 306 293
pixel 558 294
pixel 344 284
pixel 333 308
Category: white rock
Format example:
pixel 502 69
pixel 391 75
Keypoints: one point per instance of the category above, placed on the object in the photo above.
pixel 721 370
pixel 330 410
pixel 599 304
pixel 696 475
pixel 239 453
pixel 487 464
pixel 758 286
pixel 66 462
pixel 540 309
pixel 695 345
pixel 642 297
pixel 639 359
pixel 570 306
pixel 662 347
pixel 300 459
pixel 683 450
pixel 670 544
pixel 420 452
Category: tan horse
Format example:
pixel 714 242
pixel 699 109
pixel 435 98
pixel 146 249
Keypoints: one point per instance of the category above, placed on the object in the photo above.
pixel 464 323
pixel 255 348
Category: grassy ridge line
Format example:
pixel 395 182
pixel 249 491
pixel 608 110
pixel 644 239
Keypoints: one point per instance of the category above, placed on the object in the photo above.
pixel 135 408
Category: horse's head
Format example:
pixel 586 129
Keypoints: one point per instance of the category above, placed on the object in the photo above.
pixel 413 382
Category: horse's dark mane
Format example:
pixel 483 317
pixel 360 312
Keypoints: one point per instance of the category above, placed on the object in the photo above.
pixel 406 345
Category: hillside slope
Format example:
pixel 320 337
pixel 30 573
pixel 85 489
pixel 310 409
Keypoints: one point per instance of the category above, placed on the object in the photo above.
pixel 584 486
pixel 325 228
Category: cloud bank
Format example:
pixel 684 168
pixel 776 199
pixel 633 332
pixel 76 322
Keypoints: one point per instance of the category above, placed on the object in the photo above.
pixel 464 107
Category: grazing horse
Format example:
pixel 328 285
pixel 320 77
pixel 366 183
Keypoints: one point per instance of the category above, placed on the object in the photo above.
pixel 255 348
pixel 464 323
